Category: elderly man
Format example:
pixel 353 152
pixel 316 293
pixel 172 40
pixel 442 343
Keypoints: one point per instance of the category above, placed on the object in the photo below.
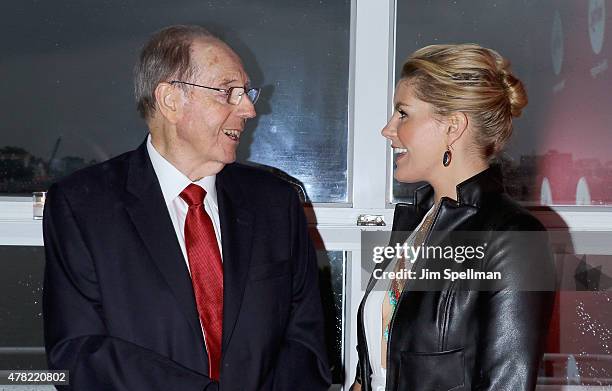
pixel 173 268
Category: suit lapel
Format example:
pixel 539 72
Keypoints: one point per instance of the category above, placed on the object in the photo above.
pixel 146 207
pixel 236 238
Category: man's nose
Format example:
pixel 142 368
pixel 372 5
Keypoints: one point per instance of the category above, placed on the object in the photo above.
pixel 246 108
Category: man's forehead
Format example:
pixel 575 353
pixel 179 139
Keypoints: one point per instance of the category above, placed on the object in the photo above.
pixel 218 63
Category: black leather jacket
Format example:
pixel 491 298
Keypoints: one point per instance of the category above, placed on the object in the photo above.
pixel 453 338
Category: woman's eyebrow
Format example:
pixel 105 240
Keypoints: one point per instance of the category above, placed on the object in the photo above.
pixel 400 104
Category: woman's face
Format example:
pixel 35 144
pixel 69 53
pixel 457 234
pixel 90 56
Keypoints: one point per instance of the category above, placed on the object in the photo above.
pixel 417 138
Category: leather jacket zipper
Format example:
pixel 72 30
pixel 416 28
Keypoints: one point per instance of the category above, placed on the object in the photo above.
pixel 445 317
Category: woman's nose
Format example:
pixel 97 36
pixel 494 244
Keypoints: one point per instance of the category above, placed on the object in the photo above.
pixel 389 130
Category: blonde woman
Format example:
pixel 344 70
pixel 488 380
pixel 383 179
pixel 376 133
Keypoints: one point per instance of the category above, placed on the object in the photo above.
pixel 453 112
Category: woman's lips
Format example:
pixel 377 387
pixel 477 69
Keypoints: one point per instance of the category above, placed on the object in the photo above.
pixel 399 153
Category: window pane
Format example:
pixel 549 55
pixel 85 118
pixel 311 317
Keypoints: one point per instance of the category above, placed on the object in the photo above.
pixel 560 150
pixel 21 339
pixel 332 283
pixel 68 83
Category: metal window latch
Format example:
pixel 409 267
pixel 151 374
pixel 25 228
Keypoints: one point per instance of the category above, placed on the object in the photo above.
pixel 373 220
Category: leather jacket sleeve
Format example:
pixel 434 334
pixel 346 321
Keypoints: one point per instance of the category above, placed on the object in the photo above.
pixel 514 320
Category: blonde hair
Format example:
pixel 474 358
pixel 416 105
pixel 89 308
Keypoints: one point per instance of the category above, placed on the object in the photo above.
pixel 471 79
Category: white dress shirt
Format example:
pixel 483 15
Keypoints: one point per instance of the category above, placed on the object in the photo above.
pixel 172 183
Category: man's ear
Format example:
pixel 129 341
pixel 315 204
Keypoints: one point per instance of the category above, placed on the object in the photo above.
pixel 169 102
pixel 457 125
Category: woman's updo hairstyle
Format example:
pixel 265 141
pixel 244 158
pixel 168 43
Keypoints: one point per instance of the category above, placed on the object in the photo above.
pixel 471 79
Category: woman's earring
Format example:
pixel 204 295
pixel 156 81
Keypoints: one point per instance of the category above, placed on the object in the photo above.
pixel 447 157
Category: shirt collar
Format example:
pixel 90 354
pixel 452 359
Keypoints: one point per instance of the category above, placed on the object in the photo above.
pixel 173 182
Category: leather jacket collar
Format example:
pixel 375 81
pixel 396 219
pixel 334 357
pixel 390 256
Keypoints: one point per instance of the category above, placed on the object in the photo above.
pixel 451 214
pixel 473 190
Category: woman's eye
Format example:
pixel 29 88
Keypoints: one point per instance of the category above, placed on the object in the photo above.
pixel 402 114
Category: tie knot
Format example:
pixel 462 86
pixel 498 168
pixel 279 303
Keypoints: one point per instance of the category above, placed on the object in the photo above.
pixel 193 195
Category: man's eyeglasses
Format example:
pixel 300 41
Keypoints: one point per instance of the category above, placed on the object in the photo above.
pixel 234 94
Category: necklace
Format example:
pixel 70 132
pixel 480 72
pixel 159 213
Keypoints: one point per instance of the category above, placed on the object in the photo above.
pixel 397 284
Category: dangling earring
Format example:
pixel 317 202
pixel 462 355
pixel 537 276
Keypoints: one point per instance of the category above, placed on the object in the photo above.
pixel 447 157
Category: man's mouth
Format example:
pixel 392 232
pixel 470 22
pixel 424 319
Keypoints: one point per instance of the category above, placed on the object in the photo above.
pixel 232 134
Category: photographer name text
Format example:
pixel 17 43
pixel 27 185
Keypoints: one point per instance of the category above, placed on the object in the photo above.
pixel 427 274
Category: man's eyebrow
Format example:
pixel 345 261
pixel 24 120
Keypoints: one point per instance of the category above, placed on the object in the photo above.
pixel 226 82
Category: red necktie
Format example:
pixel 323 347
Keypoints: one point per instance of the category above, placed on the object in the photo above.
pixel 206 272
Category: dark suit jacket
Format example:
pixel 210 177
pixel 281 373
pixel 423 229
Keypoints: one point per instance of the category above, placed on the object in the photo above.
pixel 118 303
pixel 460 335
